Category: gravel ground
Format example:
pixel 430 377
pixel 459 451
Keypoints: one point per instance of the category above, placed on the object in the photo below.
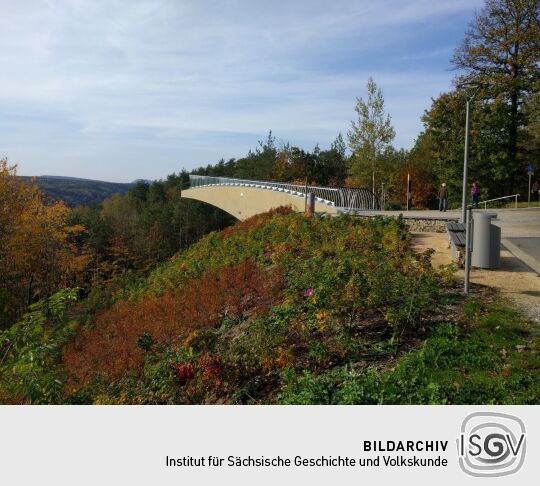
pixel 514 280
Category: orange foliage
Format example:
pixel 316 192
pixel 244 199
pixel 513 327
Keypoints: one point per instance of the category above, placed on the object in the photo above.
pixel 109 346
pixel 37 256
pixel 423 189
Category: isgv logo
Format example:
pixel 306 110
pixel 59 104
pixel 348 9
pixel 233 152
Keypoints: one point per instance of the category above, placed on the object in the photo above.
pixel 491 444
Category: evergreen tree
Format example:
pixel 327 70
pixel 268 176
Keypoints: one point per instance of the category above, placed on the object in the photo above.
pixel 338 145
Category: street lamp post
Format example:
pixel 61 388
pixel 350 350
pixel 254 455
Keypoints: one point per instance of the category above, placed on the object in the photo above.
pixel 465 163
pixel 466 216
pixel 466 148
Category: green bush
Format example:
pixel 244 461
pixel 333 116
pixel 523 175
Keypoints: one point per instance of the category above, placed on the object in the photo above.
pixel 30 351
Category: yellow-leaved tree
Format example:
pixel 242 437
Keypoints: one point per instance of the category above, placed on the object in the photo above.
pixel 37 251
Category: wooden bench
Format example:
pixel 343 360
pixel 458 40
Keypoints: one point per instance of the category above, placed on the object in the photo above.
pixel 455 227
pixel 456 239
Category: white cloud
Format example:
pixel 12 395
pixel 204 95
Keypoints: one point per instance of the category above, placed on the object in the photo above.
pixel 124 73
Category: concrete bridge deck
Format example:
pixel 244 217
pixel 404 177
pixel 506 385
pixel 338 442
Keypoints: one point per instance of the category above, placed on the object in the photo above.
pixel 244 198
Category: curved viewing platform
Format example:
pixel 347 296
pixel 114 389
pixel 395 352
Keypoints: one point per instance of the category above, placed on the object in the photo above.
pixel 341 197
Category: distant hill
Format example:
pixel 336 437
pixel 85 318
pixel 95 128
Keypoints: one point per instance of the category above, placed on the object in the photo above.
pixel 74 191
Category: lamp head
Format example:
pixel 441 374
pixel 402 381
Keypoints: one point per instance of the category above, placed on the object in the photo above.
pixel 468 85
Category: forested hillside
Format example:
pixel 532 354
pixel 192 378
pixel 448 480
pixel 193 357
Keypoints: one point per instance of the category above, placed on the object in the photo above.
pixel 45 245
pixel 78 192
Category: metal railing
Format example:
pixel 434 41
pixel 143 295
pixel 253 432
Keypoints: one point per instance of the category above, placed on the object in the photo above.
pixel 485 203
pixel 515 196
pixel 341 197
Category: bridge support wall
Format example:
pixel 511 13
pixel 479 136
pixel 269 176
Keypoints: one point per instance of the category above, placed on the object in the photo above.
pixel 244 202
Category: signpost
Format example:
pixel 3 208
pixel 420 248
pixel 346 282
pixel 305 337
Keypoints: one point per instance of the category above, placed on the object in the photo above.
pixel 409 191
pixel 530 171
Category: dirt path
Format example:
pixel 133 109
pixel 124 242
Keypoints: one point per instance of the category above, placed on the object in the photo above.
pixel 513 279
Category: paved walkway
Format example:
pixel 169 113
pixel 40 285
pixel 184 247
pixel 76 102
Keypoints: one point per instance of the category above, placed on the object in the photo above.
pixel 527 249
pixel 520 234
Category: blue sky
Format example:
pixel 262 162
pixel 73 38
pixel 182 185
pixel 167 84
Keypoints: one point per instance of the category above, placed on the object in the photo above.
pixel 120 90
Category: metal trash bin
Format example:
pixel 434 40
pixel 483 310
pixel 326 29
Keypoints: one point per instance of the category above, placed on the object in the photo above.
pixel 486 241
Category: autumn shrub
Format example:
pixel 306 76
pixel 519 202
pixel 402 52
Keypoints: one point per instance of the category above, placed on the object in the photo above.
pixel 108 347
pixel 253 222
pixel 249 240
pixel 222 320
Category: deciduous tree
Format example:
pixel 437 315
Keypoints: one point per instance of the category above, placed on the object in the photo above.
pixel 369 136
pixel 37 251
pixel 501 51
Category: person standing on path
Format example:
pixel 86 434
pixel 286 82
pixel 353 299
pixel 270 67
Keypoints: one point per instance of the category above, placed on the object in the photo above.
pixel 535 190
pixel 475 193
pixel 443 197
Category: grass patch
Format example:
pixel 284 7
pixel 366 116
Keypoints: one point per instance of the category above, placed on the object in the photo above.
pixel 492 358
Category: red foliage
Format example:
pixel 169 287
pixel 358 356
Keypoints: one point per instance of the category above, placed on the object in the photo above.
pixel 109 347
pixel 185 373
pixel 210 370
